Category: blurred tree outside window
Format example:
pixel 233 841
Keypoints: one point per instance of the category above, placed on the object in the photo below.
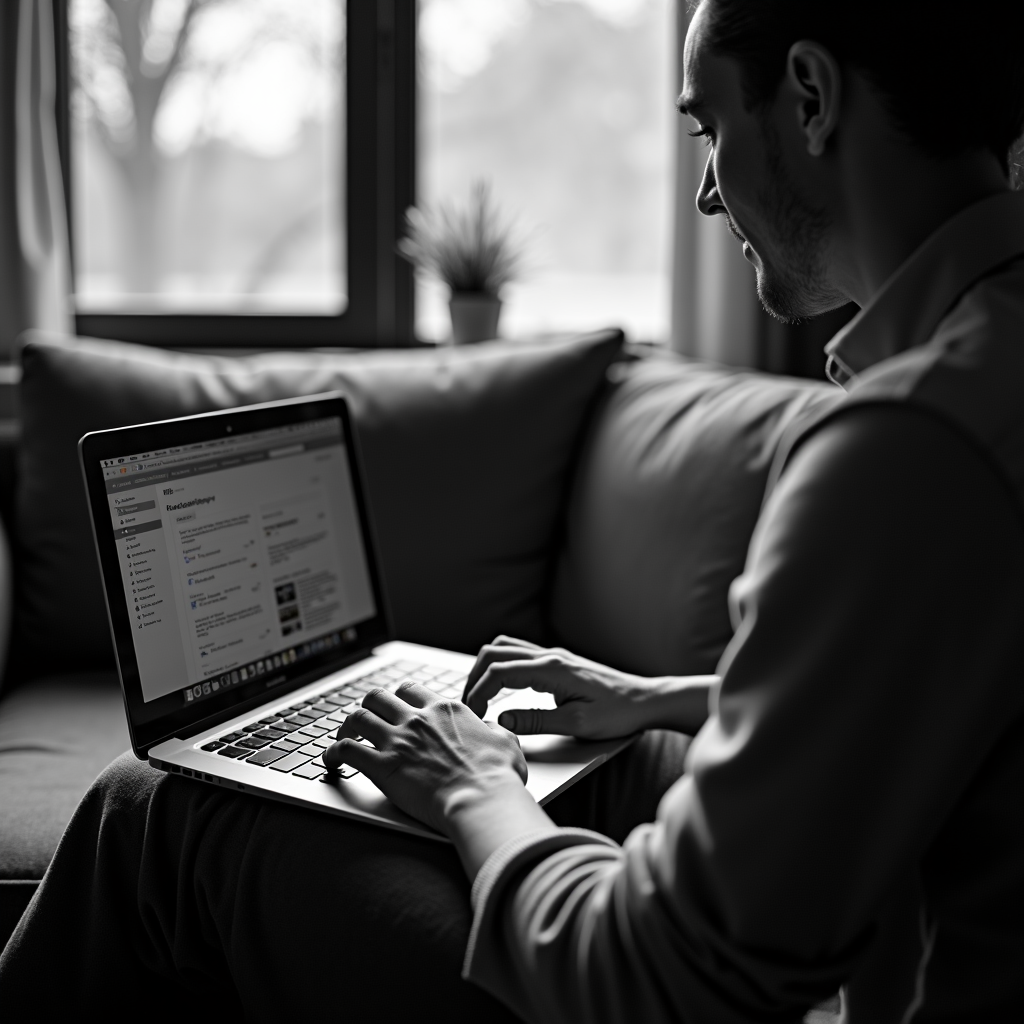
pixel 207 155
pixel 567 108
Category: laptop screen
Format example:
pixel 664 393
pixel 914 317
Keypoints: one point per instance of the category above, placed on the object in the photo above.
pixel 239 557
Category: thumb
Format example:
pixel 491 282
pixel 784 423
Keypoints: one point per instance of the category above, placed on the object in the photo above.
pixel 531 721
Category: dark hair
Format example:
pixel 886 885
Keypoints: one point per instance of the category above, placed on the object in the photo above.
pixel 952 73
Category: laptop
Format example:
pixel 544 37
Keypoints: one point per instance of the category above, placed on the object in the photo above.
pixel 247 609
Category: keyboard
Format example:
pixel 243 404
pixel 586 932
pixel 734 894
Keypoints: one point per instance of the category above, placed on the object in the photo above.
pixel 293 739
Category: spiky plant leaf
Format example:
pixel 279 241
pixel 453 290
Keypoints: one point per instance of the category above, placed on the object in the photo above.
pixel 471 250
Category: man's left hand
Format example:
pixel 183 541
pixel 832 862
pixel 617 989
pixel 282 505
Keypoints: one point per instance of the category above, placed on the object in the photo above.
pixel 427 752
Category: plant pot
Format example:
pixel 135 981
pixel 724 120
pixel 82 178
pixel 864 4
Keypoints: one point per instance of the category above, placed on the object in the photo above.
pixel 474 317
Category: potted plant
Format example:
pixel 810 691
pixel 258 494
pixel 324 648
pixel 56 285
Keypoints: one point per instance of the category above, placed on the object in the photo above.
pixel 473 251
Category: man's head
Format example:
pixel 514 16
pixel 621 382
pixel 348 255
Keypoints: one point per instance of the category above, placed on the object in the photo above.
pixel 832 122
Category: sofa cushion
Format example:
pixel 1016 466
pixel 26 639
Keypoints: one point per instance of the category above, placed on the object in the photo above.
pixel 668 490
pixel 56 735
pixel 466 452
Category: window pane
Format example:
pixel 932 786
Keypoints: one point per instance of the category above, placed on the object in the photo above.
pixel 208 155
pixel 567 107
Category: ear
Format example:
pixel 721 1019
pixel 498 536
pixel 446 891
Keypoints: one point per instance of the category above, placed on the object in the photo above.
pixel 816 79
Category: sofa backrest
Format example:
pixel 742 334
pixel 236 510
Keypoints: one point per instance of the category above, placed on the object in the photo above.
pixel 667 491
pixel 467 454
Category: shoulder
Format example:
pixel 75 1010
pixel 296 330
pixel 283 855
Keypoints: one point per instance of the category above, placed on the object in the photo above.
pixel 895 462
pixel 968 376
pixel 972 367
pixel 875 493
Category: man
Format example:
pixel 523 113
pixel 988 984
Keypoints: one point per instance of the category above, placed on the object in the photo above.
pixel 849 815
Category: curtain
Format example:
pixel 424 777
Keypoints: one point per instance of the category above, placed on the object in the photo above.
pixel 716 314
pixel 35 261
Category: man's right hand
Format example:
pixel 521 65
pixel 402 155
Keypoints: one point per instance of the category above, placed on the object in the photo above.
pixel 592 701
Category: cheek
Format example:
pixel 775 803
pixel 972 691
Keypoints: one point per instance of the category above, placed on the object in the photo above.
pixel 738 182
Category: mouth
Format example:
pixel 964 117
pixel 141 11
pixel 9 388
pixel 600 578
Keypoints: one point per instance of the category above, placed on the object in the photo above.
pixel 748 249
pixel 733 230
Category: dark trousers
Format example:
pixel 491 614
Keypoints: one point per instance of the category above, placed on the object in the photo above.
pixel 168 895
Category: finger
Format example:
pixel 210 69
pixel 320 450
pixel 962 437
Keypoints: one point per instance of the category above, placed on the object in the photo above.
pixel 416 694
pixel 352 752
pixel 490 654
pixel 511 641
pixel 386 706
pixel 532 721
pixel 363 722
pixel 542 673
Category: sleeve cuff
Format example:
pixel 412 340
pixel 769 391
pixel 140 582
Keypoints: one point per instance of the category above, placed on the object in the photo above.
pixel 506 862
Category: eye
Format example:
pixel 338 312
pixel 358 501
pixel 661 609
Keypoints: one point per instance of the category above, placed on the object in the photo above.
pixel 703 132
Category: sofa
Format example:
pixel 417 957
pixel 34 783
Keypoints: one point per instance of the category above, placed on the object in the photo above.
pixel 574 491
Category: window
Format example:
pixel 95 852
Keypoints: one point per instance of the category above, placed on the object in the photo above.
pixel 567 108
pixel 209 167
pixel 237 169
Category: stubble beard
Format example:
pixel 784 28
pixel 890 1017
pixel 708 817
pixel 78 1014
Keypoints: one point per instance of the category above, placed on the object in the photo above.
pixel 792 281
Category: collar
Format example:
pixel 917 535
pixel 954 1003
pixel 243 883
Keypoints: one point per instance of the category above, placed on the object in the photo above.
pixel 908 307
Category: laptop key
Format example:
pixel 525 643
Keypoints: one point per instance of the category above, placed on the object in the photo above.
pixel 233 752
pixel 232 736
pixel 323 742
pixel 286 727
pixel 310 750
pixel 212 745
pixel 309 771
pixel 299 720
pixel 290 762
pixel 268 734
pixel 268 756
pixel 347 693
pixel 313 731
pixel 366 685
pixel 269 721
pixel 322 708
pixel 253 743
pixel 286 744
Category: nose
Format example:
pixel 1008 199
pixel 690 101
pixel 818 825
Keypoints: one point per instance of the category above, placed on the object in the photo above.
pixel 709 202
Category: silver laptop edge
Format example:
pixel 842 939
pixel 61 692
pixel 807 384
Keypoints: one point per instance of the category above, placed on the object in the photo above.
pixel 555 762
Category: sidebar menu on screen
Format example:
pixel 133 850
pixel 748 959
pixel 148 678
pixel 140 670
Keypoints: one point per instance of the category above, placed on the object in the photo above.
pixel 148 582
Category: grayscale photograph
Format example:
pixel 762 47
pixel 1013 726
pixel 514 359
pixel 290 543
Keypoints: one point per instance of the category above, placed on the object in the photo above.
pixel 512 511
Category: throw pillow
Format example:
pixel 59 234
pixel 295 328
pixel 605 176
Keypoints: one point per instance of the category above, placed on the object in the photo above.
pixel 668 490
pixel 466 453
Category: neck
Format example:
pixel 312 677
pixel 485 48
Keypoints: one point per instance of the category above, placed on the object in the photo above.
pixel 894 198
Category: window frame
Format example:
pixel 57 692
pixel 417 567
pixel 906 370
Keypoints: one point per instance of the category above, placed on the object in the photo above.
pixel 380 157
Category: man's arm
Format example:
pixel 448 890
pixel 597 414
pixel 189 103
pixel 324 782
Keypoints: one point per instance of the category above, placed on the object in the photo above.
pixel 870 673
pixel 593 701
